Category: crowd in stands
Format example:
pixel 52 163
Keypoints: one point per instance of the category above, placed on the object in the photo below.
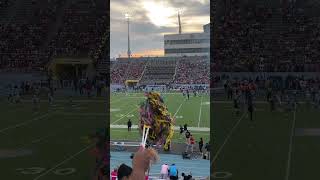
pixel 252 39
pixel 23 41
pixel 136 70
pixel 277 83
pixel 83 26
pixel 118 71
pixel 194 71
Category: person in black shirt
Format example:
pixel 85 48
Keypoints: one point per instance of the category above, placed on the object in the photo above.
pixel 185 177
pixel 181 129
pixel 129 125
pixel 185 127
pixel 207 147
pixel 188 95
pixel 188 134
pixel 200 144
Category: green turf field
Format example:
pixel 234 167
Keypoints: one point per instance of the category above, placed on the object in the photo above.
pixel 49 144
pixel 195 112
pixel 270 149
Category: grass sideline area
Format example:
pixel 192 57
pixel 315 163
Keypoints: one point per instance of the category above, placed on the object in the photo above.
pixel 195 112
pixel 52 143
pixel 270 149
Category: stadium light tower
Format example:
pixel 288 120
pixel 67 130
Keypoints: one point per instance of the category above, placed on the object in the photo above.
pixel 179 21
pixel 127 16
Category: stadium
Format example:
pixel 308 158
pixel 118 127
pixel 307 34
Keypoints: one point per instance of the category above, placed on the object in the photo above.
pixel 54 90
pixel 265 90
pixel 181 77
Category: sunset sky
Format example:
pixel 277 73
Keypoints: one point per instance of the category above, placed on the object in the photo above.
pixel 150 20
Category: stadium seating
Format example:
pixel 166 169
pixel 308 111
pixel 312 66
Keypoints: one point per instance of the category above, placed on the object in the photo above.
pixel 161 71
pixel 41 30
pixel 193 71
pixel 254 39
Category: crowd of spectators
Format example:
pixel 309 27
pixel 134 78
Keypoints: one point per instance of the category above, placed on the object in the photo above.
pixel 252 39
pixel 191 70
pixel 135 70
pixel 118 71
pixel 194 71
pixel 83 27
pixel 278 83
pixel 21 41
pixel 22 44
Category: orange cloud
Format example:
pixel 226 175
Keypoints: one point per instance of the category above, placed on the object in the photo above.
pixel 146 53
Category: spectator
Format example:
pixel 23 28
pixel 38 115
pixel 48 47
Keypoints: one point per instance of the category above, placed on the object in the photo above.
pixel 187 134
pixel 207 147
pixel 173 172
pixel 164 171
pixel 124 172
pixel 114 174
pixel 192 142
pixel 201 144
pixel 185 177
pixel 185 127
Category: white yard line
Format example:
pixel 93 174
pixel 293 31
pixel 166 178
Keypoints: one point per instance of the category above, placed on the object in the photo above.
pixel 135 108
pixel 200 112
pixel 24 123
pixel 64 161
pixel 290 146
pixel 179 108
pixel 227 138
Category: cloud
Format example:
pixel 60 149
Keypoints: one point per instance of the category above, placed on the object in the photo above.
pixel 149 52
pixel 150 20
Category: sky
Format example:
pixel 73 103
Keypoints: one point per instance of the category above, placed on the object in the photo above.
pixel 150 20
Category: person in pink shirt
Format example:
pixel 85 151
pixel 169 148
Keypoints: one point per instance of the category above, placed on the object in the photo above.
pixel 164 171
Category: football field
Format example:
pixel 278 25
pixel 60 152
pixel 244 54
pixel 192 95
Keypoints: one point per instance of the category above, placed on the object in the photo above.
pixel 51 143
pixel 277 145
pixel 194 112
